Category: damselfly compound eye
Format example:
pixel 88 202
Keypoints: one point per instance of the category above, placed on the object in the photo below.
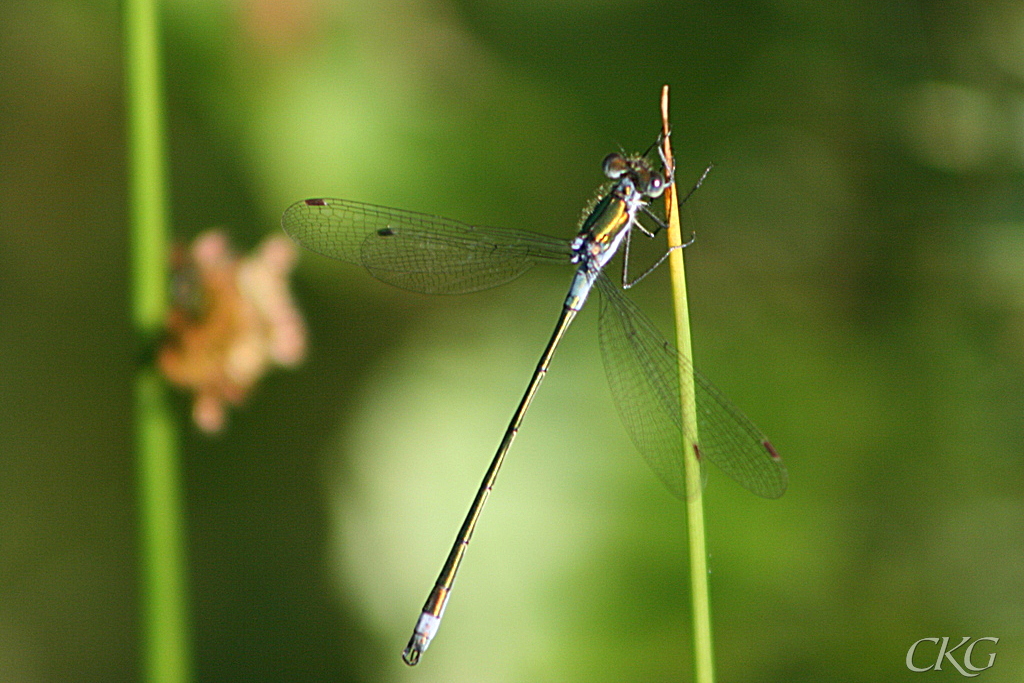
pixel 614 165
pixel 655 185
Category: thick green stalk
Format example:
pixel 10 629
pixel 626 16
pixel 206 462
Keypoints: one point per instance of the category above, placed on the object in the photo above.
pixel 165 638
pixel 703 654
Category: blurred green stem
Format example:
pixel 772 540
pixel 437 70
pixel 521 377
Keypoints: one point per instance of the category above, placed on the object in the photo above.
pixel 163 558
pixel 165 644
pixel 703 654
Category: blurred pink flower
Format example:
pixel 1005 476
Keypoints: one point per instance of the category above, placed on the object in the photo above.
pixel 232 318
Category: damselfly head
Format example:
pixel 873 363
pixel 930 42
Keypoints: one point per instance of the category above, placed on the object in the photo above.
pixel 645 180
pixel 637 170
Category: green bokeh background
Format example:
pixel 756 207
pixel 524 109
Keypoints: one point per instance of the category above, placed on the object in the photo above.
pixel 857 287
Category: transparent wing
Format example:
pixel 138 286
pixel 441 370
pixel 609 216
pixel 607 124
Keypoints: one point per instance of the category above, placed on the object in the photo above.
pixel 643 373
pixel 416 251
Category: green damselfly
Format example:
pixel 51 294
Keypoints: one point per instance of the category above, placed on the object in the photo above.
pixel 434 255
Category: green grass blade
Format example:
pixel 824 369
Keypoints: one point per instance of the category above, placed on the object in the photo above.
pixel 703 653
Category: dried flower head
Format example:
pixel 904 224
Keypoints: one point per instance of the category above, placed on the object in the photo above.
pixel 232 318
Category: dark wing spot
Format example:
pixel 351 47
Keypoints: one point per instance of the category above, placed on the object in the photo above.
pixel 315 202
pixel 696 452
pixel 771 449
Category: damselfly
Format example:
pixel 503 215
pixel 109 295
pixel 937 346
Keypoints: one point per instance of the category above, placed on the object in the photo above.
pixel 425 253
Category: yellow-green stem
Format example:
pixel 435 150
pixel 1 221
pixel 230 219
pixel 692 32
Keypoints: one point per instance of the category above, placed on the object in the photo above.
pixel 703 654
pixel 165 638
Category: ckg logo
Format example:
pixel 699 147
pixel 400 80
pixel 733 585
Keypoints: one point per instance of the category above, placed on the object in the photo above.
pixel 966 667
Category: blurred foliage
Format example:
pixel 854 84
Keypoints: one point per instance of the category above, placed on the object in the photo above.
pixel 856 287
